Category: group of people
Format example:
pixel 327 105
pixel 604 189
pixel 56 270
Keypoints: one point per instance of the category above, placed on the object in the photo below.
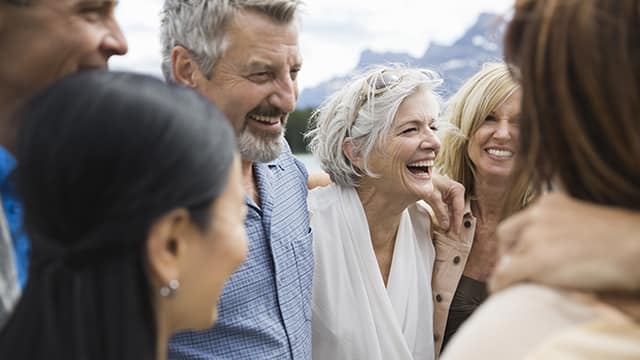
pixel 144 219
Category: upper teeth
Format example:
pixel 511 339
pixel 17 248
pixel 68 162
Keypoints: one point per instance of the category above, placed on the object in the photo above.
pixel 423 163
pixel 266 119
pixel 501 153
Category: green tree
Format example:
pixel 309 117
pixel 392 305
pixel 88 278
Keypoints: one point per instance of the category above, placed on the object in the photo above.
pixel 297 125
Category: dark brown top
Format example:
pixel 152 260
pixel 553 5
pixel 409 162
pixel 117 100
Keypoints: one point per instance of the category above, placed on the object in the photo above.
pixel 470 293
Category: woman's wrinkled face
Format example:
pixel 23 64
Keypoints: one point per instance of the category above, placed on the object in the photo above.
pixel 492 148
pixel 220 249
pixel 406 155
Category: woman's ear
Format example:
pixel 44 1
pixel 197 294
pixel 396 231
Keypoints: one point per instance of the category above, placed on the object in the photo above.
pixel 350 150
pixel 167 245
pixel 185 70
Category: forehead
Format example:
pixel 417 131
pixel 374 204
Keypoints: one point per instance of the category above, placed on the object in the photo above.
pixel 511 104
pixel 70 3
pixel 421 105
pixel 256 37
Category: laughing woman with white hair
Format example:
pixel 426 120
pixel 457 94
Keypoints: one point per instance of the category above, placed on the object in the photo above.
pixel 372 246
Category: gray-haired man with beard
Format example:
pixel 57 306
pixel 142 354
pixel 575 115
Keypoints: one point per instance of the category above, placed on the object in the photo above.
pixel 243 55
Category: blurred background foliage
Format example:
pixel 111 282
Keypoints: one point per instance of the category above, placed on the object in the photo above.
pixel 297 125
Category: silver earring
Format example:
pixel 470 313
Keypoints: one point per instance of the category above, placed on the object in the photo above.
pixel 170 289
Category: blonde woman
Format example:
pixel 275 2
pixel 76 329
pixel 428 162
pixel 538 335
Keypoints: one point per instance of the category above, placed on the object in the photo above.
pixel 480 154
pixel 579 66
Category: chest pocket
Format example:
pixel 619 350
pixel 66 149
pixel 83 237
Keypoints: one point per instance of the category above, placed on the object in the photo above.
pixel 303 250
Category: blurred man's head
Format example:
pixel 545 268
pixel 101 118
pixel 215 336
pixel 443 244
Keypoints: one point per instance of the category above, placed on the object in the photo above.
pixel 44 40
pixel 243 55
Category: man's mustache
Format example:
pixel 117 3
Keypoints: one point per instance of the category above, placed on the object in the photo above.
pixel 270 111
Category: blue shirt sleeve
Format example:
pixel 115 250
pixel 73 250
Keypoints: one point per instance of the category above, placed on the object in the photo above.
pixel 13 212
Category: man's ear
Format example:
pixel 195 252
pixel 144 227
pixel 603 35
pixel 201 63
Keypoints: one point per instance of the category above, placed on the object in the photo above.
pixel 351 151
pixel 167 244
pixel 185 70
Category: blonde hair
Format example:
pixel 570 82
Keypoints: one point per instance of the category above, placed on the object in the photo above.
pixel 466 111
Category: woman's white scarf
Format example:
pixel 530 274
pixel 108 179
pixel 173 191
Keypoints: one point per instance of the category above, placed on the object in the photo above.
pixel 354 315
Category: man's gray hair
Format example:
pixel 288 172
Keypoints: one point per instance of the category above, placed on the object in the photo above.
pixel 201 26
pixel 364 110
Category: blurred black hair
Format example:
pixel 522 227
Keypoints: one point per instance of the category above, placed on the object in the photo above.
pixel 101 156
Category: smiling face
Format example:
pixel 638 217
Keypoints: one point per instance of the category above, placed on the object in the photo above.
pixel 405 159
pixel 48 39
pixel 493 145
pixel 254 82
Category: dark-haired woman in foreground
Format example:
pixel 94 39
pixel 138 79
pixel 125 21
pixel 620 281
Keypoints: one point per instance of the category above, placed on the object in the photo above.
pixel 134 205
pixel 579 67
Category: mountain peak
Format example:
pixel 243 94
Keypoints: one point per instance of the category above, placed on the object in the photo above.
pixel 371 57
pixel 482 42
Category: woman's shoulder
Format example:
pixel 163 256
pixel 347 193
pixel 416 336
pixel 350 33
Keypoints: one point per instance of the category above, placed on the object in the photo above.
pixel 611 335
pixel 516 320
pixel 323 198
pixel 556 307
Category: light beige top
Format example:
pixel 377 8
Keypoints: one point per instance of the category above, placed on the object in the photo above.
pixel 536 322
pixel 452 252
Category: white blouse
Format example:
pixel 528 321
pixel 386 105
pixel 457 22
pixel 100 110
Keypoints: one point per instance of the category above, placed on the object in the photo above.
pixel 354 315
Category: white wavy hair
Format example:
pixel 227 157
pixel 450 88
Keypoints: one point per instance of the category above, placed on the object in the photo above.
pixel 364 110
pixel 201 26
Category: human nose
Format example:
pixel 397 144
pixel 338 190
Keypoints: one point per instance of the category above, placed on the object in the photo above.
pixel 114 42
pixel 431 141
pixel 502 131
pixel 285 94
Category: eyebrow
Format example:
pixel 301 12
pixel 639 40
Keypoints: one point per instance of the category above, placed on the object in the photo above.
pixel 258 64
pixel 97 2
pixel 416 121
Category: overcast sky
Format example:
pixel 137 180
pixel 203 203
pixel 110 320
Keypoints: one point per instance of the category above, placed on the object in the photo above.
pixel 333 33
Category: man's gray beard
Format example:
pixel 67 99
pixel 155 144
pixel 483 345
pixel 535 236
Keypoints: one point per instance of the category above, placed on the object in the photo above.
pixel 263 148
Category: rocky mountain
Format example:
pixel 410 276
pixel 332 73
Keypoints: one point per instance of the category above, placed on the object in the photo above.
pixel 481 43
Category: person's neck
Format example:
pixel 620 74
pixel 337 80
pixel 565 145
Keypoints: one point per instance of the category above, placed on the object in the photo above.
pixel 383 212
pixel 163 330
pixel 162 344
pixel 248 181
pixel 489 199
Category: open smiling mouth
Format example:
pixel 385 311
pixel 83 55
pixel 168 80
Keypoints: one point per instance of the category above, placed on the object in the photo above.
pixel 267 120
pixel 421 168
pixel 500 153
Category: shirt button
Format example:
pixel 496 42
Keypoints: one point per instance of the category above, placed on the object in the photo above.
pixel 467 224
pixel 436 337
pixel 438 298
pixel 456 260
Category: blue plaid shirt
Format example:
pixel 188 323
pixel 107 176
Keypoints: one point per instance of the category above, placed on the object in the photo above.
pixel 265 308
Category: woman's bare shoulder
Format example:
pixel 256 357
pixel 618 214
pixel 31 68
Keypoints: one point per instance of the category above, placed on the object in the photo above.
pixel 514 321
